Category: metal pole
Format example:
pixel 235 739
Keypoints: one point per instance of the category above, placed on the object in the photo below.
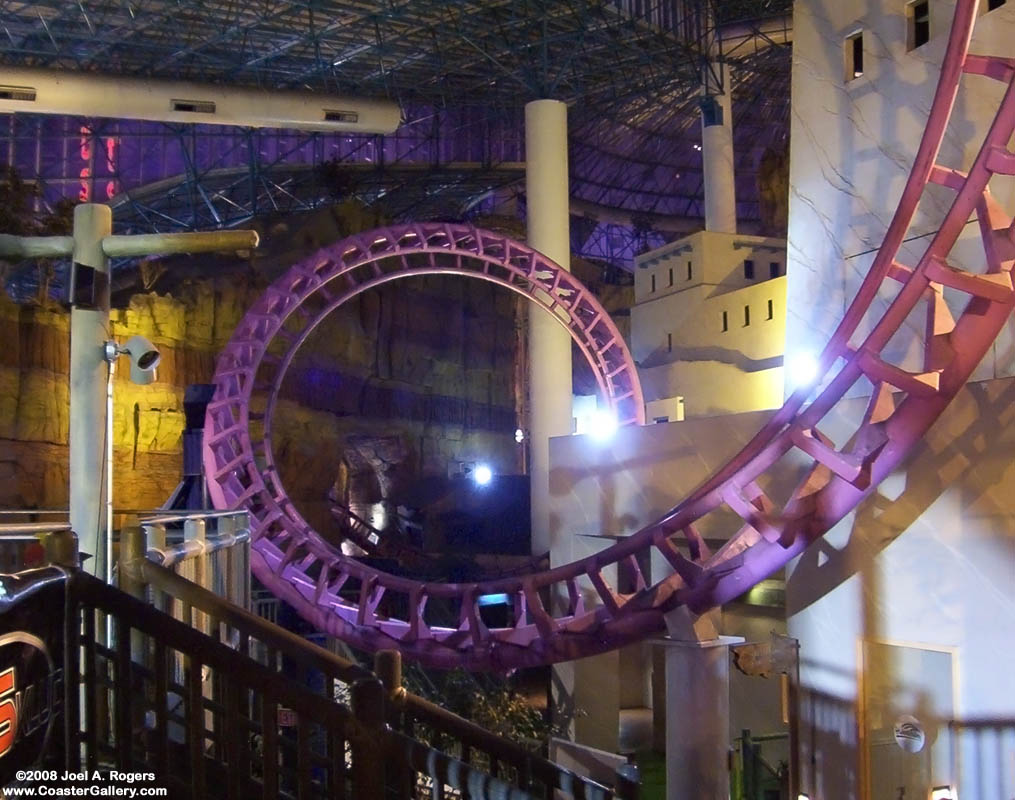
pixel 89 332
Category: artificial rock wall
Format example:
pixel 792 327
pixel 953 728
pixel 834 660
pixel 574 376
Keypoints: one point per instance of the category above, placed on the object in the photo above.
pixel 429 361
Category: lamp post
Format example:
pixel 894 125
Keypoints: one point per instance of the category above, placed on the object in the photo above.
pixel 92 245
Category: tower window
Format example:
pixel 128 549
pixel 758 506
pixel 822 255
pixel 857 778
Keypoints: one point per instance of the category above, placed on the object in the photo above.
pixel 854 55
pixel 725 322
pixel 689 272
pixel 749 269
pixel 773 269
pixel 671 276
pixel 669 342
pixel 770 314
pixel 918 24
pixel 653 279
pixel 747 316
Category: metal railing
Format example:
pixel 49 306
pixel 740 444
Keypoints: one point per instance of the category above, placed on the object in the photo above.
pixel 224 745
pixel 209 548
pixel 220 703
pixel 26 545
pixel 464 747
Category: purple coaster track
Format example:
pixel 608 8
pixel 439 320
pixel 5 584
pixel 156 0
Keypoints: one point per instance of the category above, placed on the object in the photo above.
pixel 554 619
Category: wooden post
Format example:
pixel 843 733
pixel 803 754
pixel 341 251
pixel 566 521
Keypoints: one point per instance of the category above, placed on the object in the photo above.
pixel 388 666
pixel 132 551
pixel 61 548
pixel 369 741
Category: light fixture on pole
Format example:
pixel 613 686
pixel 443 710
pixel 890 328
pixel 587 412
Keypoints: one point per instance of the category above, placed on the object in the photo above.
pixel 90 248
pixel 144 358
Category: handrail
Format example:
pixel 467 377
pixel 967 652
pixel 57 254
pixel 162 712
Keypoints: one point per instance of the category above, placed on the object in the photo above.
pixel 505 750
pixel 388 666
pixel 247 624
pixel 452 772
pixel 220 712
pixel 141 663
pixel 29 529
pixel 307 654
pixel 26 511
pixel 178 635
pixel 191 548
pixel 183 516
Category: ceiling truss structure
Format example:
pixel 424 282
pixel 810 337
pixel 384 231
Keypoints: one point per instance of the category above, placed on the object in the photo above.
pixel 462 71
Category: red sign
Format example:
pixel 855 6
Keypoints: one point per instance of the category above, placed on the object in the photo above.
pixel 27 701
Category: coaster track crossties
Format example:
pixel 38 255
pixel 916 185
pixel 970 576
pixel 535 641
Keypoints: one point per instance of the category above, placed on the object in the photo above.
pixel 572 611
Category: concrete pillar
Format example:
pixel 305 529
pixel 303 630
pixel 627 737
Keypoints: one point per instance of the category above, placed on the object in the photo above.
pixel 697 708
pixel 89 330
pixel 717 156
pixel 546 197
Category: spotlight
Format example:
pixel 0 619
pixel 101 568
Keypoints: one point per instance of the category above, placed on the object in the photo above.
pixel 802 369
pixel 519 435
pixel 482 475
pixel 144 358
pixel 942 793
pixel 602 424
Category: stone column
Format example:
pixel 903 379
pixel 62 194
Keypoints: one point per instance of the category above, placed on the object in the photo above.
pixel 89 330
pixel 697 707
pixel 546 197
pixel 717 154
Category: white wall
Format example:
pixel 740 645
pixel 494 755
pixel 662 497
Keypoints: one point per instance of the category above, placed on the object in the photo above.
pixel 852 147
pixel 927 561
pixel 930 559
pixel 717 338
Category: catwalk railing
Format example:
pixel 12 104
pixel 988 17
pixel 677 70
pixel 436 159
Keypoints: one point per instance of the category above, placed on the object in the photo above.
pixel 115 697
pixel 466 749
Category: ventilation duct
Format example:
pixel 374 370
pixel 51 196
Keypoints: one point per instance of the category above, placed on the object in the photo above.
pixel 40 91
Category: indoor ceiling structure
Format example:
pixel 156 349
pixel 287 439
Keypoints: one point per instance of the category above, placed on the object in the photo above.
pixel 461 70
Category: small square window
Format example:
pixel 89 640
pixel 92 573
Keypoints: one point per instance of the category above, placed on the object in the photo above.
pixel 854 55
pixel 773 269
pixel 917 24
pixel 749 269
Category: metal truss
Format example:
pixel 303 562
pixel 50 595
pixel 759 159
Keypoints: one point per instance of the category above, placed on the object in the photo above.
pixel 631 70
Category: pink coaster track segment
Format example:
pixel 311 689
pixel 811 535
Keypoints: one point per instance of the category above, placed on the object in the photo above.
pixel 571 611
